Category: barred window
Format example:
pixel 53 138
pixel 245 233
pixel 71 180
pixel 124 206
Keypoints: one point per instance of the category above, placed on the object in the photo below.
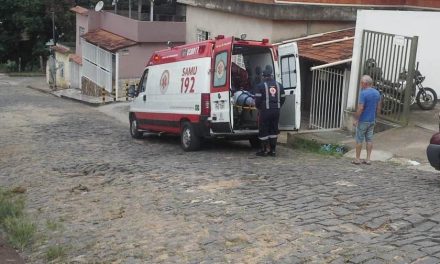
pixel 203 35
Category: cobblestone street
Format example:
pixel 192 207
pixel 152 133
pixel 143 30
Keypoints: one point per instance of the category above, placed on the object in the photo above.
pixel 121 200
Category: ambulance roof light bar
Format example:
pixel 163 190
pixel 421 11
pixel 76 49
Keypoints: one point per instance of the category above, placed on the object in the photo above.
pixel 265 41
pixel 220 37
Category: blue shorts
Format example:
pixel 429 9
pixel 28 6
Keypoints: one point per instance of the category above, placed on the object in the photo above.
pixel 364 131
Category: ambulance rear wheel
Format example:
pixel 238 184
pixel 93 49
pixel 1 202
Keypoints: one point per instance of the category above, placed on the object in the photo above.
pixel 188 138
pixel 134 130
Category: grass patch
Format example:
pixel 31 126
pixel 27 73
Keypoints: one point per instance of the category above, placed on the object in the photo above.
pixel 20 231
pixel 316 147
pixel 11 205
pixel 55 252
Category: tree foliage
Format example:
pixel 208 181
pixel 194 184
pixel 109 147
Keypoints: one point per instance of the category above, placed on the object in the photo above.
pixel 26 25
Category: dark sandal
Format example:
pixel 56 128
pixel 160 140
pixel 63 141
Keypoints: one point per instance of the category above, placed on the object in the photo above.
pixel 367 162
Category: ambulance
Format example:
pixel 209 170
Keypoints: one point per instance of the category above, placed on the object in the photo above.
pixel 201 90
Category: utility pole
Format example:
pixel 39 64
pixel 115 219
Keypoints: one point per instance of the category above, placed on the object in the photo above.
pixel 53 27
pixel 151 9
pixel 52 59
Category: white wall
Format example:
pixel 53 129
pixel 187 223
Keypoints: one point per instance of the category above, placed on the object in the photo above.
pixel 405 23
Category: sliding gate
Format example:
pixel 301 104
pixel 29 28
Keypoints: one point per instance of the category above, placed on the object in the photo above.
pixel 390 60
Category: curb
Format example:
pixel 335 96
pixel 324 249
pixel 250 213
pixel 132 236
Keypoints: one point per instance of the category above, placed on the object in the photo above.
pixel 67 97
pixel 39 89
pixel 84 102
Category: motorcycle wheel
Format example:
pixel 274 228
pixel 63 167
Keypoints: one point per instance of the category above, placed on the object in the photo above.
pixel 426 98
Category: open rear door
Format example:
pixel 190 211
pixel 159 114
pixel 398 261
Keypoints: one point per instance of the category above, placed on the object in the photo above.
pixel 288 61
pixel 221 121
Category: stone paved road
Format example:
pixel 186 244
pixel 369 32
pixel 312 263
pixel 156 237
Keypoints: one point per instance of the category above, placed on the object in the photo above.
pixel 121 200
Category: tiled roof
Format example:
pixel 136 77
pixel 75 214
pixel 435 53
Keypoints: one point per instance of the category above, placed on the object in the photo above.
pixel 61 49
pixel 107 40
pixel 75 58
pixel 339 50
pixel 79 10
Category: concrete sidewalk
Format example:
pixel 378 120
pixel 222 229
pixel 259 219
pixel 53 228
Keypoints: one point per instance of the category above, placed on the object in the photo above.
pixel 405 145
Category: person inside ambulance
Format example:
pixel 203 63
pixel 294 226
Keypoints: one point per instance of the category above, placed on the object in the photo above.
pixel 269 97
pixel 240 87
pixel 240 78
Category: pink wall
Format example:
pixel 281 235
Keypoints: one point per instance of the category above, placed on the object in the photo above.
pixel 143 31
pixel 89 22
pixel 81 21
pixel 133 64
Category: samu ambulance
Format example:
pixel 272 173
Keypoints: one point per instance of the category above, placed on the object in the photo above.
pixel 189 90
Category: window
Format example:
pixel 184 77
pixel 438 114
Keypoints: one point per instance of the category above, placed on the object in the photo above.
pixel 203 35
pixel 288 72
pixel 144 82
pixel 221 65
pixel 81 31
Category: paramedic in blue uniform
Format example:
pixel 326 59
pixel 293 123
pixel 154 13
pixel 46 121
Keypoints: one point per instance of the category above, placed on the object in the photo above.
pixel 269 97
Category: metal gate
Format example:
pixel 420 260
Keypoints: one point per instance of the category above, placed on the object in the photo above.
pixel 390 60
pixel 328 98
pixel 97 65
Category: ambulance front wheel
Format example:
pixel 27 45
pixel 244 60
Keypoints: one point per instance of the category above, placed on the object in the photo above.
pixel 134 130
pixel 188 138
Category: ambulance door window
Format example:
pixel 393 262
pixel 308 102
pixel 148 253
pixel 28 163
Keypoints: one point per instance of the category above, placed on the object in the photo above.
pixel 288 72
pixel 221 64
pixel 143 83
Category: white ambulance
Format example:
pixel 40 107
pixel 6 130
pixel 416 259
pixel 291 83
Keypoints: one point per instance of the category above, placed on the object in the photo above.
pixel 200 90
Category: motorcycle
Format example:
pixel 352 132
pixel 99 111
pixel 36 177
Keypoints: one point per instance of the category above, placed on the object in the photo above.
pixel 393 93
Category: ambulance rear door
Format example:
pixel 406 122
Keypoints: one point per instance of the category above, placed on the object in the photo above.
pixel 221 121
pixel 289 77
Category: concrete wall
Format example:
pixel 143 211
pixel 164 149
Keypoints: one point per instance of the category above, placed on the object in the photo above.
pixel 221 23
pixel 63 73
pixel 142 31
pixel 81 21
pixel 132 60
pixel 406 23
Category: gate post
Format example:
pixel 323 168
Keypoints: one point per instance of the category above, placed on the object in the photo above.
pixel 410 79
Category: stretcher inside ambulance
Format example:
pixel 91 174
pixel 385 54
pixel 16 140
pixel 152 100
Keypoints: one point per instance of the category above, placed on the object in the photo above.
pixel 205 89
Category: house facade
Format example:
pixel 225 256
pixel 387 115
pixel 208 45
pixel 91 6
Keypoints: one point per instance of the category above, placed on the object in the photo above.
pixel 112 50
pixel 58 66
pixel 310 23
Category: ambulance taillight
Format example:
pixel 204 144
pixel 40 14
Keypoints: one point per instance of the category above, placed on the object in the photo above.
pixel 206 104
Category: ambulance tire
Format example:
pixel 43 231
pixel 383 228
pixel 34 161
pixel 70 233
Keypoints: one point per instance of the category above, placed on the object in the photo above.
pixel 188 138
pixel 255 142
pixel 134 131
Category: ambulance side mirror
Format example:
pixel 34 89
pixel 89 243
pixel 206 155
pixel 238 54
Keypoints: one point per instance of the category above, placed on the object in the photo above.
pixel 132 92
